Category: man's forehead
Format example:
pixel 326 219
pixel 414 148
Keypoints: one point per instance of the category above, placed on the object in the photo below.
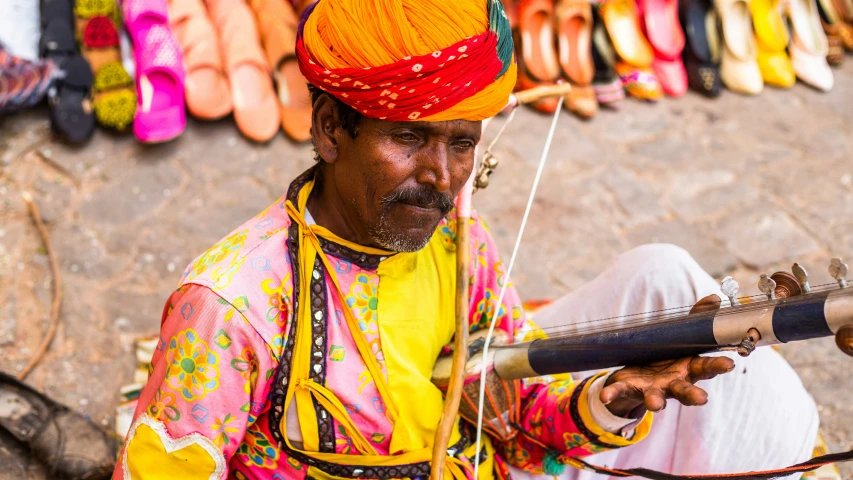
pixel 451 128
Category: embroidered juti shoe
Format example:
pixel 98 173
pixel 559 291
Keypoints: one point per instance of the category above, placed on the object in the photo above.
pixel 632 48
pixel 834 28
pixel 739 60
pixel 606 83
pixel 702 53
pixel 574 36
pixel 809 45
pixel 659 19
pixel 537 60
pixel 771 38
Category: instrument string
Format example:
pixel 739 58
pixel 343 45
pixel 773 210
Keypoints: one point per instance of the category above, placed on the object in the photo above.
pixel 678 313
pixel 568 331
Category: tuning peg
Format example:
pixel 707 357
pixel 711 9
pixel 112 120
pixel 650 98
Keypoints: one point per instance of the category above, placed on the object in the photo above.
pixel 767 286
pixel 729 287
pixel 802 277
pixel 838 270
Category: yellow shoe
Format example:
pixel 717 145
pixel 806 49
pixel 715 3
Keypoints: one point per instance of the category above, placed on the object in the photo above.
pixel 772 39
pixel 738 64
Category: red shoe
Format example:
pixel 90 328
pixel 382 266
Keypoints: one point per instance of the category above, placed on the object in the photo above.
pixel 659 19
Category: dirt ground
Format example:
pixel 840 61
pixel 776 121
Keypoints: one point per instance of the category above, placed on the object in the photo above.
pixel 747 185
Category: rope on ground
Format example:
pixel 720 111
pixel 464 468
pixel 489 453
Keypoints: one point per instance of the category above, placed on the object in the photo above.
pixel 57 286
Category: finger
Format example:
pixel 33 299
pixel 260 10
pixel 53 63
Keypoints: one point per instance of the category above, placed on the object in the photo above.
pixel 654 399
pixel 707 304
pixel 618 390
pixel 704 368
pixel 687 393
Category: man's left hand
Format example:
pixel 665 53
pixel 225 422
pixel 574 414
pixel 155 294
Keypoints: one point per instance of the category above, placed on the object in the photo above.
pixel 630 388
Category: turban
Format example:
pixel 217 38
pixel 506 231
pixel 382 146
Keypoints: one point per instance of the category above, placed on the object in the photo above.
pixel 406 60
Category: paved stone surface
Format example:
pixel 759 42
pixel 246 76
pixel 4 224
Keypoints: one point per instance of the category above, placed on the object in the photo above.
pixel 747 185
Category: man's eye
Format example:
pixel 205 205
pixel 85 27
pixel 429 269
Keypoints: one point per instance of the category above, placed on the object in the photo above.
pixel 407 137
pixel 464 145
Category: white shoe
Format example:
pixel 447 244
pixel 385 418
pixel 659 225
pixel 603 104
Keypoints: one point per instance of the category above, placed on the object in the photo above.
pixel 809 46
pixel 739 64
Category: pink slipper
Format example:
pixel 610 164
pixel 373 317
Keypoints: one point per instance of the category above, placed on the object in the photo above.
pixel 660 24
pixel 160 111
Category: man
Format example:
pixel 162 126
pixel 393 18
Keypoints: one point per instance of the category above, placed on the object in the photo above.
pixel 302 344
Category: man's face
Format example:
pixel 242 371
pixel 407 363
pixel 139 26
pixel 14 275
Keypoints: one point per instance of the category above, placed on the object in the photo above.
pixel 400 179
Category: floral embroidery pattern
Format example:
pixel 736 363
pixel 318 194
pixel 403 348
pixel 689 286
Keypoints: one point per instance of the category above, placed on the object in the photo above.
pixel 247 364
pixel 447 230
pixel 363 300
pixel 163 407
pixel 486 310
pixel 280 295
pixel 192 366
pixel 222 427
pixel 239 304
pixel 215 254
pixel 222 277
pixel 257 450
pixel 343 442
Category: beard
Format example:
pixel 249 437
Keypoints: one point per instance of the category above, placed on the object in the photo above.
pixel 390 236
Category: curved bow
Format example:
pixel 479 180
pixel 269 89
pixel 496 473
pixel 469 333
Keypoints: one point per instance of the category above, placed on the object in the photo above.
pixel 463 215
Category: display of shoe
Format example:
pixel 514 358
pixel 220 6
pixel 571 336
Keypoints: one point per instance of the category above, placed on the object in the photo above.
pixel 537 60
pixel 574 38
pixel 277 23
pixel 621 19
pixel 809 46
pixel 606 83
pixel 256 106
pixel 771 38
pixel 739 60
pixel 659 19
pixel 161 110
pixel 639 82
pixel 635 54
pixel 702 51
pixel 69 99
pixel 834 29
pixel 114 93
pixel 207 91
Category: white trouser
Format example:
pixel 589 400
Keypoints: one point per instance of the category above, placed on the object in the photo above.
pixel 757 417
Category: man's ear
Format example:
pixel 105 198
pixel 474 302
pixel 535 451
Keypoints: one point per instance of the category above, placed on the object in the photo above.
pixel 326 127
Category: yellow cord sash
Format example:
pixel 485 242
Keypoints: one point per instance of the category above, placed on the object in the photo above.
pixel 409 360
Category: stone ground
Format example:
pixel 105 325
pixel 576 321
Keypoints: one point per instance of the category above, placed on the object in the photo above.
pixel 747 185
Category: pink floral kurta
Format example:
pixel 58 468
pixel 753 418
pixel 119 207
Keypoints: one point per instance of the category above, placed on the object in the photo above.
pixel 224 340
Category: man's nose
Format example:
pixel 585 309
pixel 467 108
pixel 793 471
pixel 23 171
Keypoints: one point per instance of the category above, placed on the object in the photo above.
pixel 435 169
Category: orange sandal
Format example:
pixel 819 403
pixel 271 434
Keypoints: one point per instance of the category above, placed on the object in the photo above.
pixel 537 62
pixel 208 94
pixel 574 37
pixel 255 105
pixel 277 23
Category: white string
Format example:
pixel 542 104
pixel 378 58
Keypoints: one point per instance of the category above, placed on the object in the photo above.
pixel 507 276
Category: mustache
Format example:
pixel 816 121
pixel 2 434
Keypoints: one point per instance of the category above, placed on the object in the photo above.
pixel 423 197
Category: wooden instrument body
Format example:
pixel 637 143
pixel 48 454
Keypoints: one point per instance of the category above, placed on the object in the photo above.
pixel 502 403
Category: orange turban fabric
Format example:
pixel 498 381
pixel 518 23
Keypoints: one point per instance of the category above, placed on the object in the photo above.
pixel 406 60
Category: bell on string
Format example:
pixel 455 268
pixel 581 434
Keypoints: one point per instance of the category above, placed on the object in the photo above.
pixel 490 161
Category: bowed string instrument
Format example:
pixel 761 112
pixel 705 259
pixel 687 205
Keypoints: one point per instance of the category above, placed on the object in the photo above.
pixel 788 309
